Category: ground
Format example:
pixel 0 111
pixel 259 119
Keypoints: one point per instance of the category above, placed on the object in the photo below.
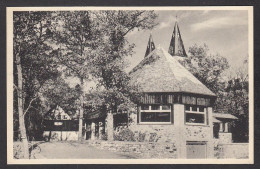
pixel 75 150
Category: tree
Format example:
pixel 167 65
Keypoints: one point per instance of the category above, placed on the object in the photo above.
pixel 236 102
pixel 110 63
pixel 58 92
pixel 93 45
pixel 232 92
pixel 33 63
pixel 208 69
pixel 77 38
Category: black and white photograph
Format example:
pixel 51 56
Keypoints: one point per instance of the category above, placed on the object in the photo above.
pixel 110 85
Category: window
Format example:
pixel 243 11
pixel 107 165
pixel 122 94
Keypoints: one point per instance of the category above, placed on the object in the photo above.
pixel 155 114
pixel 58 123
pixel 195 115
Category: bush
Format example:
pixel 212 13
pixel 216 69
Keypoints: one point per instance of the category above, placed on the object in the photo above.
pixel 104 136
pixel 124 135
pixel 17 150
pixel 141 137
pixel 153 137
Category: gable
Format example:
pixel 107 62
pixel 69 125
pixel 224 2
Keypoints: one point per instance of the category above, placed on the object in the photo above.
pixel 57 113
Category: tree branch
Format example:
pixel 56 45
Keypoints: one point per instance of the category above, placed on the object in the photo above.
pixel 29 106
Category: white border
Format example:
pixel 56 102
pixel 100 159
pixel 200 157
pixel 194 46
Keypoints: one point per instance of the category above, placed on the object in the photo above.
pixel 9 59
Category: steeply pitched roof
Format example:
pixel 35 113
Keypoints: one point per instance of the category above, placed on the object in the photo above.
pixel 150 46
pixel 176 47
pixel 160 72
pixel 57 113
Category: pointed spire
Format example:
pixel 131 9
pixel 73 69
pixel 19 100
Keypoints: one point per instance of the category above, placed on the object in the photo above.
pixel 150 46
pixel 176 47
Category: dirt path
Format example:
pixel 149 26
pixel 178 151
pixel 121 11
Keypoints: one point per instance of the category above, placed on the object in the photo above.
pixel 74 150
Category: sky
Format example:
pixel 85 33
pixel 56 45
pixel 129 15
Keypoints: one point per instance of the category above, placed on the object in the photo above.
pixel 224 31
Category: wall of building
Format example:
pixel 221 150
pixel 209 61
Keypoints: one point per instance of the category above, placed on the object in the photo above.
pixel 61 135
pixel 163 133
pixel 178 133
pixel 139 149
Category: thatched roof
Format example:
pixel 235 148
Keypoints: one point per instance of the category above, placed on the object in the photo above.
pixel 161 72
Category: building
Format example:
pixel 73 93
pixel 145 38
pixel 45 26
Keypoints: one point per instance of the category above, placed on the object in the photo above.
pixel 175 106
pixel 59 126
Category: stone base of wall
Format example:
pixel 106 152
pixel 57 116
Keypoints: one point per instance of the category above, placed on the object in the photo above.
pixel 232 150
pixel 225 137
pixel 61 135
pixel 139 149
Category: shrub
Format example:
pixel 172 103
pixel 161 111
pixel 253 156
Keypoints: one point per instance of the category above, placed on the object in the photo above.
pixel 141 137
pixel 153 137
pixel 104 136
pixel 18 151
pixel 124 135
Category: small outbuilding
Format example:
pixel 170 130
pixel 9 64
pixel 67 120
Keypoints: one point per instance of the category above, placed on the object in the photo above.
pixel 58 125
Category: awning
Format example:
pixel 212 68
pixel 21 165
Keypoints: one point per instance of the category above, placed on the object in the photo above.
pixel 224 116
pixel 216 120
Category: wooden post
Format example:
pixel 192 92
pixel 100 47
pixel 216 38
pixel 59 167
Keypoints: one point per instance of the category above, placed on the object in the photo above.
pixel 226 127
pixel 100 130
pixel 220 127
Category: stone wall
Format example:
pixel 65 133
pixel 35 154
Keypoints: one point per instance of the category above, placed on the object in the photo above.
pixel 163 133
pixel 61 135
pixel 232 150
pixel 197 133
pixel 139 149
pixel 225 137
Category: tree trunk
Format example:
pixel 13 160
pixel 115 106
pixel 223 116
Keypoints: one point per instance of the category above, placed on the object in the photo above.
pixel 20 107
pixel 81 109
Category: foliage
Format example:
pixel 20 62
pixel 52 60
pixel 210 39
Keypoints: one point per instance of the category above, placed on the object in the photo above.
pixel 232 94
pixel 237 103
pixel 18 151
pixel 58 92
pixel 141 137
pixel 153 137
pixel 33 64
pixel 124 134
pixel 91 44
pixel 109 63
pixel 37 61
pixel 206 67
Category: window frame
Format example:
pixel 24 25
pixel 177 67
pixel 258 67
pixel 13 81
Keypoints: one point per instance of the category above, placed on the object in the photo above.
pixel 196 112
pixel 155 111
